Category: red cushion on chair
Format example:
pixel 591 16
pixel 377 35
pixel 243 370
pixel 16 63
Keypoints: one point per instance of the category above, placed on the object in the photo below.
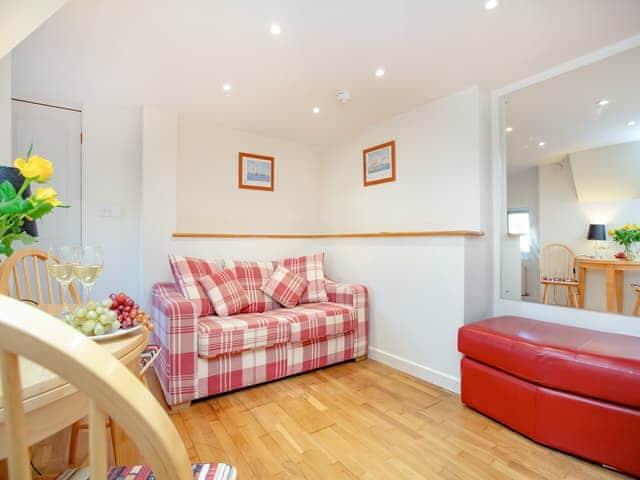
pixel 201 471
pixel 252 276
pixel 310 268
pixel 186 272
pixel 285 287
pixel 225 292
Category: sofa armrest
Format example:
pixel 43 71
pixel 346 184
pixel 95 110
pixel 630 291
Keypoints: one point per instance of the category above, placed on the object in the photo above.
pixel 175 320
pixel 356 296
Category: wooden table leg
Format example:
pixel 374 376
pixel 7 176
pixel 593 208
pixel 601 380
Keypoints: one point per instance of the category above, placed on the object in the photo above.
pixel 610 274
pixel 582 283
pixel 619 289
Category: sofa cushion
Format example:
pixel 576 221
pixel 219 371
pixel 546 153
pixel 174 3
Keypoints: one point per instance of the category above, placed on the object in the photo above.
pixel 225 292
pixel 224 335
pixel 285 287
pixel 314 321
pixel 186 272
pixel 310 267
pixel 585 362
pixel 252 276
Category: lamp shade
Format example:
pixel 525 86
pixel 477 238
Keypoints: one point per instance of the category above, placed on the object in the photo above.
pixel 16 179
pixel 597 231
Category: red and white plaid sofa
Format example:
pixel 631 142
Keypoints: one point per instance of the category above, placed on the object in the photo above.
pixel 207 355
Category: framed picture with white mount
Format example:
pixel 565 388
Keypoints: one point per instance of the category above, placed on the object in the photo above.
pixel 255 172
pixel 379 164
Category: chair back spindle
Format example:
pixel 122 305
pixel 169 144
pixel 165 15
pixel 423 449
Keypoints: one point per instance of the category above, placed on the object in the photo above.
pixel 19 465
pixel 23 274
pixel 557 263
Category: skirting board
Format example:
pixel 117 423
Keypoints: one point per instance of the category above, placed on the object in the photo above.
pixel 430 375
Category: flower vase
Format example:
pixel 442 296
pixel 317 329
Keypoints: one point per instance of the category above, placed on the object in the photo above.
pixel 630 251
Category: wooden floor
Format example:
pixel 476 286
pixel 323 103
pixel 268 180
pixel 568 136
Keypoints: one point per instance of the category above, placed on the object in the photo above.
pixel 364 420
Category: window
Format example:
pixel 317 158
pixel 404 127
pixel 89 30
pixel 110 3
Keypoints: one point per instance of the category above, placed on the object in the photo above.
pixel 518 224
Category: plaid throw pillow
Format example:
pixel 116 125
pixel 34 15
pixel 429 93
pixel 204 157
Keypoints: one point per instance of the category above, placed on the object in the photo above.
pixel 311 268
pixel 285 287
pixel 252 276
pixel 186 272
pixel 225 292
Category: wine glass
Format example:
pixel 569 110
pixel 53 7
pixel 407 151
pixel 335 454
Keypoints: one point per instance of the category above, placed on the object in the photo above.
pixel 87 267
pixel 60 266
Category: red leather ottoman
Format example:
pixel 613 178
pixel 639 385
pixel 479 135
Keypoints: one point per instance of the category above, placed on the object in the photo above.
pixel 570 388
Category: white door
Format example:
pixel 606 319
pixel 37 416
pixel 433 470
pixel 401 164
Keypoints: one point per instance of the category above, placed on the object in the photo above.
pixel 55 135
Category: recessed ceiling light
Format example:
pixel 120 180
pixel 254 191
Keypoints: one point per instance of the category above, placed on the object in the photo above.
pixel 541 144
pixel 603 102
pixel 226 87
pixel 490 4
pixel 380 72
pixel 631 123
pixel 275 29
pixel 316 110
pixel 508 129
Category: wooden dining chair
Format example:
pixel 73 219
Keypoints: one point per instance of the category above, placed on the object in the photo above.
pixel 24 276
pixel 636 306
pixel 557 268
pixel 112 390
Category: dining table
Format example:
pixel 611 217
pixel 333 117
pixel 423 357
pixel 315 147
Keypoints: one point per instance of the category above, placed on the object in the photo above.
pixel 614 269
pixel 52 404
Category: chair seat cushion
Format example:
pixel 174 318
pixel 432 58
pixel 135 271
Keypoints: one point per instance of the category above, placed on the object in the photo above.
pixel 576 360
pixel 201 471
pixel 224 335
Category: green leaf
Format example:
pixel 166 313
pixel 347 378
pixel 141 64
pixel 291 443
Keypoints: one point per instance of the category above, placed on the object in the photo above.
pixel 15 206
pixel 7 192
pixel 39 210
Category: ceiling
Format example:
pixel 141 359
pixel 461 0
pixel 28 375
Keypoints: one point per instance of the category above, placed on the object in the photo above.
pixel 563 112
pixel 179 53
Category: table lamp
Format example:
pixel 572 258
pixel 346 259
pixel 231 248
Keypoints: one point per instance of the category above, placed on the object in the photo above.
pixel 16 179
pixel 597 232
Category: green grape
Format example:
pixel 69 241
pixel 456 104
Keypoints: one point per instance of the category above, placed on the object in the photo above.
pixel 104 319
pixel 100 310
pixel 88 326
pixel 106 303
pixel 115 326
pixel 98 329
pixel 80 312
pixel 91 315
pixel 113 315
pixel 91 305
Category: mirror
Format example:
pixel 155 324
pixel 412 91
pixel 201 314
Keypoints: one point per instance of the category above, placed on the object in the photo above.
pixel 572 149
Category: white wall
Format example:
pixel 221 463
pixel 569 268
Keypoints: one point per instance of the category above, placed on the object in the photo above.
pixel 5 110
pixel 607 173
pixel 158 220
pixel 440 176
pixel 522 193
pixel 207 179
pixel 112 154
pixel 18 18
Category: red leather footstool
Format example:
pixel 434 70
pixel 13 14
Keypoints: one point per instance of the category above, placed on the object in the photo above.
pixel 569 388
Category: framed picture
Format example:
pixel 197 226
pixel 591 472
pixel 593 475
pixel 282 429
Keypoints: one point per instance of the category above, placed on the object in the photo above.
pixel 255 172
pixel 379 164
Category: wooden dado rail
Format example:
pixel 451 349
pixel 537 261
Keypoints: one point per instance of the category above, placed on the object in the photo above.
pixel 434 233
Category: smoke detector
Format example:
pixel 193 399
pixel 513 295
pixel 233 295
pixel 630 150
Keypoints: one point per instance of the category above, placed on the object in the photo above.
pixel 343 96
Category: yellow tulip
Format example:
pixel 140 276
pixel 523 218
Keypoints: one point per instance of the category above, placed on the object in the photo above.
pixel 611 232
pixel 47 194
pixel 35 168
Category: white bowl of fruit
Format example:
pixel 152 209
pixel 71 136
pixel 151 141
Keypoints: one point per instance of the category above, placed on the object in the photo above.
pixel 113 317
